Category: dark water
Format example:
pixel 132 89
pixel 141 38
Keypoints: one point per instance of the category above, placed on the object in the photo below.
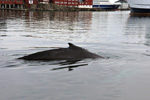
pixel 117 35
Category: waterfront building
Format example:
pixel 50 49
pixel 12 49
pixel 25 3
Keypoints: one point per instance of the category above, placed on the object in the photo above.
pixel 12 4
pixel 23 4
pixel 17 4
pixel 74 3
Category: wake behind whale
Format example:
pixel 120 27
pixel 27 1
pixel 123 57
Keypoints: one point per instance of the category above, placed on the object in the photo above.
pixel 73 52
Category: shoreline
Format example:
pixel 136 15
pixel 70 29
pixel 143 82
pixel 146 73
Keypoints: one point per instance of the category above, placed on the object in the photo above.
pixel 78 9
pixel 53 7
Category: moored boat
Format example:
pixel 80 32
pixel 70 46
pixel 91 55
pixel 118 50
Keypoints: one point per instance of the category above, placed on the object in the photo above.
pixel 139 6
pixel 106 4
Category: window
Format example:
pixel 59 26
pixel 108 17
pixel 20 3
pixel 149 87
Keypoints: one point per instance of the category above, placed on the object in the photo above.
pixel 81 0
pixel 57 2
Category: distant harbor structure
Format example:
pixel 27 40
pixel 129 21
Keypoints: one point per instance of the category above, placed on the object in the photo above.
pixel 60 4
pixel 124 4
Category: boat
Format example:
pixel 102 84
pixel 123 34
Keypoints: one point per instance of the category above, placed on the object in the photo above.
pixel 106 4
pixel 139 6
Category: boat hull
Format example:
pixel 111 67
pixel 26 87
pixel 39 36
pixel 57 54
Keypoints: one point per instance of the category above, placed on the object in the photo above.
pixel 109 6
pixel 106 6
pixel 140 10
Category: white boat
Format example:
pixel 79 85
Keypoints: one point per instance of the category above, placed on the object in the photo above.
pixel 106 4
pixel 139 6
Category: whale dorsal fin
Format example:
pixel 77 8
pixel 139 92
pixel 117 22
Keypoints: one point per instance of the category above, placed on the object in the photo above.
pixel 72 46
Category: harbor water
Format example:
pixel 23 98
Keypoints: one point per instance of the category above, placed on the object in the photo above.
pixel 123 41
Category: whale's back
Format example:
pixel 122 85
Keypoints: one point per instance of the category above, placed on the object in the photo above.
pixel 72 52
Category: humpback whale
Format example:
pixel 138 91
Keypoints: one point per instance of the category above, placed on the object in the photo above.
pixel 73 52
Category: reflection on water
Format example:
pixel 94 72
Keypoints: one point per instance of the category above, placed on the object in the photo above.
pixel 70 68
pixel 141 25
pixel 60 64
pixel 117 35
pixel 47 24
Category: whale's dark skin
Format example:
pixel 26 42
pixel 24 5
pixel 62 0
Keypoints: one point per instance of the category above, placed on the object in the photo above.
pixel 71 53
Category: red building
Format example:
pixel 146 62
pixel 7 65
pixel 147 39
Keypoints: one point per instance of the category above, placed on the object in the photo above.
pixel 29 3
pixel 22 4
pixel 11 3
pixel 43 1
pixel 85 3
pixel 74 3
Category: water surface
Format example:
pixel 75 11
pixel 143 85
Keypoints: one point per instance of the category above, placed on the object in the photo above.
pixel 116 35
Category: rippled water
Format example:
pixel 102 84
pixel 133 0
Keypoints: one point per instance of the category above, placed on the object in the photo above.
pixel 116 35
